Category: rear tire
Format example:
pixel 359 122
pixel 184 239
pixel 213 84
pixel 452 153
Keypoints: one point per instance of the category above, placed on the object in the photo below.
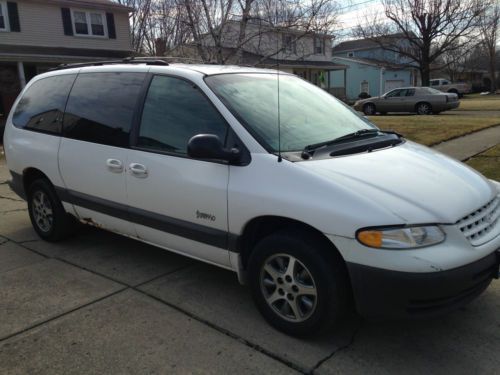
pixel 423 108
pixel 369 109
pixel 48 217
pixel 313 295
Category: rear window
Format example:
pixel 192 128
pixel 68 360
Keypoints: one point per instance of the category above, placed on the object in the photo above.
pixel 42 106
pixel 101 107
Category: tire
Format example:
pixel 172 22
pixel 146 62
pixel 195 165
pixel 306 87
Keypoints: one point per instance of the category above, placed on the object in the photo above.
pixel 318 288
pixel 47 214
pixel 369 109
pixel 423 108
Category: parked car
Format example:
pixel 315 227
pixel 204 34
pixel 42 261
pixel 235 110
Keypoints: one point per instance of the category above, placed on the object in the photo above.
pixel 444 85
pixel 422 100
pixel 326 211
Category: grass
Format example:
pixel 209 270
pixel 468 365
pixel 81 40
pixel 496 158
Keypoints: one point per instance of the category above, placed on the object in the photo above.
pixel 431 130
pixel 487 163
pixel 477 102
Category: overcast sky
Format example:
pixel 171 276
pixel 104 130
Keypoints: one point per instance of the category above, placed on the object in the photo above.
pixel 353 12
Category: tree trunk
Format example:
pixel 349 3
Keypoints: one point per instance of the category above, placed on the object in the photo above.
pixel 493 85
pixel 425 73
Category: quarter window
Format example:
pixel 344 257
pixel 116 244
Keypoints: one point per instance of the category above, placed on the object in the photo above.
pixel 101 107
pixel 175 111
pixel 87 23
pixel 42 106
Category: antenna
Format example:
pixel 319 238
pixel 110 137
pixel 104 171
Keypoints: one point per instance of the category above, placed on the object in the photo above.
pixel 280 159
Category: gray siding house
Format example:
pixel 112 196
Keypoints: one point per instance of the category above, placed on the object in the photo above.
pixel 36 35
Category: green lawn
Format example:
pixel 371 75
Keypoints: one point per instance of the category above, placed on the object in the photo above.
pixel 488 163
pixel 431 130
pixel 476 102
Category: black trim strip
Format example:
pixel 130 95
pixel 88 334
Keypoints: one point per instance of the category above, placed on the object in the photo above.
pixel 182 228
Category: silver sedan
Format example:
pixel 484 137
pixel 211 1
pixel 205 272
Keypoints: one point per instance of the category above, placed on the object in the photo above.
pixel 422 100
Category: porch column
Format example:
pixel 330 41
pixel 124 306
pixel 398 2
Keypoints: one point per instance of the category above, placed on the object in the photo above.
pixel 20 72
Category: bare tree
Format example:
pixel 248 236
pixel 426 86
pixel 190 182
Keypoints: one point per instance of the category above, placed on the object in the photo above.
pixel 490 21
pixel 423 30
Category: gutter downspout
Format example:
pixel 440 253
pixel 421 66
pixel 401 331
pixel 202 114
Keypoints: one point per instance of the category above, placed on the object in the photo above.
pixel 381 88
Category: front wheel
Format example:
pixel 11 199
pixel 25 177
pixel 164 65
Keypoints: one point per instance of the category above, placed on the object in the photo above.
pixel 298 284
pixel 369 109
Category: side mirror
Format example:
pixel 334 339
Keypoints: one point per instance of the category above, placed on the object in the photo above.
pixel 209 146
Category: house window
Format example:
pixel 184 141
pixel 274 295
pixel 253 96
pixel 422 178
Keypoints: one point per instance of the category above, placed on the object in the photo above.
pixel 89 23
pixel 319 45
pixel 289 44
pixel 4 20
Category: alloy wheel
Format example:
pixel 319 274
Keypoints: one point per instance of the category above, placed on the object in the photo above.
pixel 288 287
pixel 42 211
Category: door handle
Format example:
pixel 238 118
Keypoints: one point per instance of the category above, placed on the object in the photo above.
pixel 138 170
pixel 114 165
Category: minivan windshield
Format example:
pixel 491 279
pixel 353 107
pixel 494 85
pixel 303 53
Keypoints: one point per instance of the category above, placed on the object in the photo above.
pixel 308 114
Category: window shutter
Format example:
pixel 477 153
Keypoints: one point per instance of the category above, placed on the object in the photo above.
pixel 110 19
pixel 13 16
pixel 66 20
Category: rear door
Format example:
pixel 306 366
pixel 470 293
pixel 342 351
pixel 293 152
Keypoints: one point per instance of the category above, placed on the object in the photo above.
pixel 93 152
pixel 178 202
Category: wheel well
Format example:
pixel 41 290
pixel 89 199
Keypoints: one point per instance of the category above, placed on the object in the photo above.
pixel 264 226
pixel 30 175
pixel 429 104
pixel 454 91
pixel 369 103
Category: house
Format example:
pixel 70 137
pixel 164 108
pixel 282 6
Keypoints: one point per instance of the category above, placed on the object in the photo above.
pixel 372 69
pixel 305 54
pixel 36 35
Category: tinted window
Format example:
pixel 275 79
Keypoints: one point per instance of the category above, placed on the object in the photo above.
pixel 394 93
pixel 175 111
pixel 42 106
pixel 410 92
pixel 101 106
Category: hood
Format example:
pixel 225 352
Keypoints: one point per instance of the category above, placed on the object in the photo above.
pixel 415 183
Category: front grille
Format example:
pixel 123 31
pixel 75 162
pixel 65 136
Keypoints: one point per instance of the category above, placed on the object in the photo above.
pixel 482 225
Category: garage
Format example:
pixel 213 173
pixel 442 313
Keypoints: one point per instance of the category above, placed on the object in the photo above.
pixel 392 84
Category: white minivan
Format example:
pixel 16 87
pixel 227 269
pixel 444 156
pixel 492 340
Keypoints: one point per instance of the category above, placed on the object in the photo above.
pixel 261 173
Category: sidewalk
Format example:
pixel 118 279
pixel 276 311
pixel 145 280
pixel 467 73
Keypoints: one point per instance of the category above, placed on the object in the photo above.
pixel 467 146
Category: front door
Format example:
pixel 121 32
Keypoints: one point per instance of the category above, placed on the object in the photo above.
pixel 178 202
pixel 93 153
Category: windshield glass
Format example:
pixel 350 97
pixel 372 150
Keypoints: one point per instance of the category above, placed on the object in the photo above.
pixel 308 114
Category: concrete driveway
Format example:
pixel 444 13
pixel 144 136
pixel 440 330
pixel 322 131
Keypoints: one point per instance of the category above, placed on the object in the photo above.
pixel 104 304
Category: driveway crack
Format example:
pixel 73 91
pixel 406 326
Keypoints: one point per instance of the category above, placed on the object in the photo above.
pixel 339 349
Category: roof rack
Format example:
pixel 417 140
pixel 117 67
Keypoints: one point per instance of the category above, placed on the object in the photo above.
pixel 127 60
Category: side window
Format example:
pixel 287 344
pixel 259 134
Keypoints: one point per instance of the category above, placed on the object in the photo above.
pixel 42 106
pixel 393 93
pixel 175 111
pixel 101 107
pixel 410 92
pixel 435 83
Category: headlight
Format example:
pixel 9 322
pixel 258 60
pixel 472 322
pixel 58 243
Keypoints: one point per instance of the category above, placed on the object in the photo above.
pixel 496 184
pixel 401 238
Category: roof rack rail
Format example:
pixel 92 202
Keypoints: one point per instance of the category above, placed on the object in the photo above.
pixel 127 60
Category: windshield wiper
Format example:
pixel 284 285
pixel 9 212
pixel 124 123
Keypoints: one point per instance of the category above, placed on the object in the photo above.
pixel 309 149
pixel 353 135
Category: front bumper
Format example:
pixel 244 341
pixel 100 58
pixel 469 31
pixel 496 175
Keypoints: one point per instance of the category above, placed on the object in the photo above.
pixel 381 293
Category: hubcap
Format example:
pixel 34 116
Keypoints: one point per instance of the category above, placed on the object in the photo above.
pixel 288 287
pixel 423 109
pixel 42 211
